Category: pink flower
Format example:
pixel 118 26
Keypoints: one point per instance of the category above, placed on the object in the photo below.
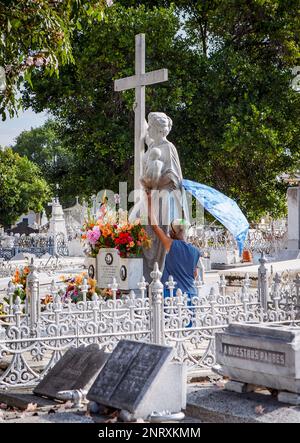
pixel 39 61
pixel 103 212
pixel 94 235
pixel 29 61
pixel 117 199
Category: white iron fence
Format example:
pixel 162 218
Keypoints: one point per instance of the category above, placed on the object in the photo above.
pixel 34 336
pixel 269 240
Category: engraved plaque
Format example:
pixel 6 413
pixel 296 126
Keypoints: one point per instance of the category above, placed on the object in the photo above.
pixel 128 374
pixel 75 370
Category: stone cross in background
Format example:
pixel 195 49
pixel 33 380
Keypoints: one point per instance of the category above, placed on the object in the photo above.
pixel 139 81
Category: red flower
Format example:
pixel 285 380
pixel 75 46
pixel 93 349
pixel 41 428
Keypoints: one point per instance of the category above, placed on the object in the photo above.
pixel 124 238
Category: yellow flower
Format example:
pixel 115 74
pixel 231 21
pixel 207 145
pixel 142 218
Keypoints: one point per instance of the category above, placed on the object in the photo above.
pixel 131 244
pixel 92 283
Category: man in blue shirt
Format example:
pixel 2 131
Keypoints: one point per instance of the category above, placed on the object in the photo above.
pixel 181 257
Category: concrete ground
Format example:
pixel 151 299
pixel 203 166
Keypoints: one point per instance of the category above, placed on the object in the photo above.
pixel 212 404
pixel 207 402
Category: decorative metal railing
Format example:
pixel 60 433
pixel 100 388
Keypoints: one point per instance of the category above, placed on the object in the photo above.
pixel 33 336
pixel 268 241
pixel 33 244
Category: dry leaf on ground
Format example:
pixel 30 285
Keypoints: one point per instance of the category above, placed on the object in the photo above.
pixel 32 407
pixel 67 405
pixel 112 420
pixel 259 409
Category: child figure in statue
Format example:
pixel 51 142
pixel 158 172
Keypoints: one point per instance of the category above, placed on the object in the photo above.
pixel 153 169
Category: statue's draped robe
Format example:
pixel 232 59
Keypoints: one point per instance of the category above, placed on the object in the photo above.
pixel 169 207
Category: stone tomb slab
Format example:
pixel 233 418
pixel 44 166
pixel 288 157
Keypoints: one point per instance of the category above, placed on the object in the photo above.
pixel 77 369
pixel 139 378
pixel 260 355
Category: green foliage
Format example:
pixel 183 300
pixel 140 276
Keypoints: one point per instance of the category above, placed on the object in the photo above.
pixel 45 147
pixel 36 35
pixel 96 123
pixel 236 117
pixel 21 187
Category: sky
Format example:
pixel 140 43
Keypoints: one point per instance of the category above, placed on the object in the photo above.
pixel 26 120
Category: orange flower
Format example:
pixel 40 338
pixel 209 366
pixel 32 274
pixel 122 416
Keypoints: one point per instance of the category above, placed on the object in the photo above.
pixel 78 280
pixel 26 270
pixel 106 231
pixel 48 299
pixel 16 277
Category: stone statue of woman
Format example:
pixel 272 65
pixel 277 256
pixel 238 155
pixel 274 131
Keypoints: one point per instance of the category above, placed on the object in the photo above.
pixel 162 175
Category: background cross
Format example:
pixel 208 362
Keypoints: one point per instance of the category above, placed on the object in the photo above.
pixel 139 81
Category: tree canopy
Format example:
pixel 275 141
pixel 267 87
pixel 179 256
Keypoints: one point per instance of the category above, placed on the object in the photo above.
pixel 22 187
pixel 36 35
pixel 236 117
pixel 45 147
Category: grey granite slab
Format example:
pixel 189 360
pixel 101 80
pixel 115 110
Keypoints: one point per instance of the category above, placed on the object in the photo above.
pixel 77 369
pixel 128 374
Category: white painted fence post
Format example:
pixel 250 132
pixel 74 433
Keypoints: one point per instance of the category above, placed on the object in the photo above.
pixel 33 297
pixel 156 296
pixel 142 287
pixel 10 293
pixel 263 283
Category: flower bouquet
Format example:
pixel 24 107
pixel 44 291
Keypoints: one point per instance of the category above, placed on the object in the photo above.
pixel 130 239
pixel 19 279
pixel 73 290
pixel 107 294
pixel 112 230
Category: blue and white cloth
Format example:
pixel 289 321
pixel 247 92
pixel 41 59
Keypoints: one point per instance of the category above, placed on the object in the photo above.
pixel 224 209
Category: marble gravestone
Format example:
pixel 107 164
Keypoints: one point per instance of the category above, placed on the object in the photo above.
pixel 107 267
pixel 261 355
pixel 77 369
pixel 139 378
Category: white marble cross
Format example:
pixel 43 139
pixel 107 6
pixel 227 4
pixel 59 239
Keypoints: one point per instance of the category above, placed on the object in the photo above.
pixel 139 81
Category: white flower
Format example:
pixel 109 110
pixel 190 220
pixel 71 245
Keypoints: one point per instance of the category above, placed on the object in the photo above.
pixel 29 61
pixel 39 61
